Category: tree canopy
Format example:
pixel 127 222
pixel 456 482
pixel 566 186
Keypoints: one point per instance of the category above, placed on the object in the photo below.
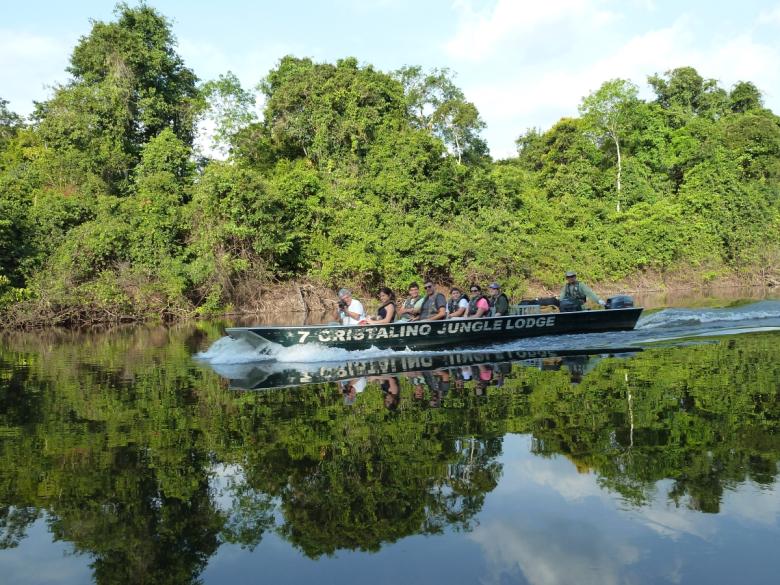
pixel 355 176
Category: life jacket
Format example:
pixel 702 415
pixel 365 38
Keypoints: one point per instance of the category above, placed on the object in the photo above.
pixel 574 292
pixel 428 307
pixel 494 300
pixel 415 305
pixel 472 310
pixel 452 306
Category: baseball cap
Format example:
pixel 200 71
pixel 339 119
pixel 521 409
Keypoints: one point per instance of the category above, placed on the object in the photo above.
pixel 493 285
pixel 570 273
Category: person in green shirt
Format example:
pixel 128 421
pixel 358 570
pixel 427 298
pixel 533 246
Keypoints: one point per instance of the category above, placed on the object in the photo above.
pixel 577 293
pixel 499 303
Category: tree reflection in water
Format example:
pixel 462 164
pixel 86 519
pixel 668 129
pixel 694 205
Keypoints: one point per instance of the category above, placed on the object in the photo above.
pixel 114 441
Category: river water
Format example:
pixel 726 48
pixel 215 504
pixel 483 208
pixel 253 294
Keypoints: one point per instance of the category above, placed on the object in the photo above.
pixel 175 455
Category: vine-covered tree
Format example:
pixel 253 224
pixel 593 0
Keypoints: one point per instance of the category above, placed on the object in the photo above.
pixel 608 113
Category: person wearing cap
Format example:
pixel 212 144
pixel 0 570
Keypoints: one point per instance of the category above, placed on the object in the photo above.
pixel 499 303
pixel 578 292
pixel 351 311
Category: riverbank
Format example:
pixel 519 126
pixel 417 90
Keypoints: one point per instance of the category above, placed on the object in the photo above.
pixel 252 300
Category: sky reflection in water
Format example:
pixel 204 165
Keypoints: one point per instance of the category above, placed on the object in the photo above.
pixel 651 467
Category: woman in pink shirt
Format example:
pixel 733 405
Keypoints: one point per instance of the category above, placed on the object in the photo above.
pixel 478 305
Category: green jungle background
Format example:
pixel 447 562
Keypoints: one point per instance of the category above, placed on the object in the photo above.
pixel 354 176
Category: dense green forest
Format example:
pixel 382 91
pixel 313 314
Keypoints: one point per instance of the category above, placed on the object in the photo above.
pixel 108 210
pixel 115 441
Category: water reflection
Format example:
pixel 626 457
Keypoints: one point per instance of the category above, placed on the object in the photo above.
pixel 533 466
pixel 485 368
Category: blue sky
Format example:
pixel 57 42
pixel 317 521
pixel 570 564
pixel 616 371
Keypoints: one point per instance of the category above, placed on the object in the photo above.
pixel 523 63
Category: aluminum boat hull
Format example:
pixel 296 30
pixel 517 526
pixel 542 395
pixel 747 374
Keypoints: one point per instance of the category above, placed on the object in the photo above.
pixel 450 332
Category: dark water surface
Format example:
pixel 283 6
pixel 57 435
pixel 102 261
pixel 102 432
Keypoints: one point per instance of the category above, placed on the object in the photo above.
pixel 640 457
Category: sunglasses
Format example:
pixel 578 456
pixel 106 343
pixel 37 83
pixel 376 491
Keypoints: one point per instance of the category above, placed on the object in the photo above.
pixel 428 286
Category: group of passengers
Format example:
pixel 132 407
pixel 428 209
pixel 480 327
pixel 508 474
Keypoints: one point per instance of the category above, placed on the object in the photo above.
pixel 431 306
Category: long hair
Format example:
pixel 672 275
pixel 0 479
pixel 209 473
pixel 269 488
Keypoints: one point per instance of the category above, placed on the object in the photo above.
pixel 388 292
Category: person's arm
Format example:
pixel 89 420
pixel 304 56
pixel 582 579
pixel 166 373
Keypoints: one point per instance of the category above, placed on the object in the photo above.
pixel 563 293
pixel 416 309
pixel 502 306
pixel 441 309
pixel 463 306
pixel 590 294
pixel 483 307
pixel 440 314
pixel 355 310
pixel 389 314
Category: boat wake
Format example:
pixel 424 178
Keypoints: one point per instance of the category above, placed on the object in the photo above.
pixel 232 351
pixel 675 318
pixel 665 326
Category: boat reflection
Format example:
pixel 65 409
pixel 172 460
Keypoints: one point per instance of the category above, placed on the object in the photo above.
pixel 436 371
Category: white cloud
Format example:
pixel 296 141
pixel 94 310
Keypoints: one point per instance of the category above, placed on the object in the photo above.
pixel 519 26
pixel 537 94
pixel 251 66
pixel 588 554
pixel 771 16
pixel 752 503
pixel 30 63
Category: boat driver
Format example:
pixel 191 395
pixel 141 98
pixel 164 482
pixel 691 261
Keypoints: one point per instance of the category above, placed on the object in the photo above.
pixel 576 293
pixel 351 311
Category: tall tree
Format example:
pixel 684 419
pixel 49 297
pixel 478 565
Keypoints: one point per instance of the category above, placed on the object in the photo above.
pixel 328 114
pixel 745 96
pixel 128 85
pixel 141 46
pixel 229 109
pixel 687 92
pixel 607 112
pixel 436 104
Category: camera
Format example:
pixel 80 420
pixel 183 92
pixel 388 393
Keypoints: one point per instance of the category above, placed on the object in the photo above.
pixel 343 305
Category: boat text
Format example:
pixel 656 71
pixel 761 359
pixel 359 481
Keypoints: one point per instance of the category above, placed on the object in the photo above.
pixel 414 330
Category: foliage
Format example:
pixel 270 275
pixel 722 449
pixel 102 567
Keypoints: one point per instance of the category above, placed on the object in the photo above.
pixel 142 459
pixel 229 110
pixel 358 177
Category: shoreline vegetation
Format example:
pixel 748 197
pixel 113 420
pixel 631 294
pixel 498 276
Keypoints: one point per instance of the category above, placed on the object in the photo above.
pixel 307 298
pixel 110 211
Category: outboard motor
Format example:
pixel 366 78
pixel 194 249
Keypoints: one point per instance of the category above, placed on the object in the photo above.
pixel 619 302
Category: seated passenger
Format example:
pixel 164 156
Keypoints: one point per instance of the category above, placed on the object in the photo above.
pixel 410 310
pixel 386 312
pixel 351 310
pixel 478 305
pixel 499 303
pixel 457 305
pixel 434 307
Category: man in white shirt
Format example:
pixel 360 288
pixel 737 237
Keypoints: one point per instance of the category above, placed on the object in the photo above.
pixel 351 310
pixel 458 304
